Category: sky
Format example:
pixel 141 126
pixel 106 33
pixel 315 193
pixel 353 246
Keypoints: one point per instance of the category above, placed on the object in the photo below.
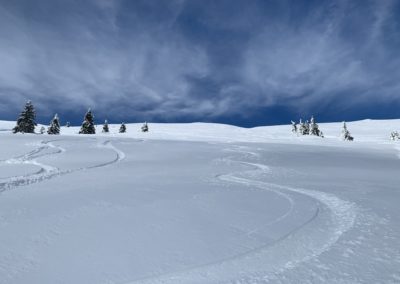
pixel 242 62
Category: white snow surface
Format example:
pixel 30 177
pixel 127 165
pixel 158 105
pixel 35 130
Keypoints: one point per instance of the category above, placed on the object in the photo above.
pixel 200 203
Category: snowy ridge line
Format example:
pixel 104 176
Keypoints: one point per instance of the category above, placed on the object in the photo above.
pixel 266 262
pixel 47 172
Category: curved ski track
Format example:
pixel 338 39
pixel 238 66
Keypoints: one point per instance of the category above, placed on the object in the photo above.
pixel 254 266
pixel 264 263
pixel 47 171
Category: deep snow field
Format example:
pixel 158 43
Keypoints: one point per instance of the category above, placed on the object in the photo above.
pixel 200 203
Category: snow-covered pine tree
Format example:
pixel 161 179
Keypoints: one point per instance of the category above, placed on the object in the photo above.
pixel 88 124
pixel 302 129
pixel 68 124
pixel 42 130
pixel 54 127
pixel 294 127
pixel 145 127
pixel 314 129
pixel 307 128
pixel 346 133
pixel 26 122
pixel 105 127
pixel 122 128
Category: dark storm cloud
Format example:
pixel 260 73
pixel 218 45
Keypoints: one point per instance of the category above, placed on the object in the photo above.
pixel 198 60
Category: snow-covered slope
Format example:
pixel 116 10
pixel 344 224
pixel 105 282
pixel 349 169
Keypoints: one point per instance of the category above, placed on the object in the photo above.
pixel 200 203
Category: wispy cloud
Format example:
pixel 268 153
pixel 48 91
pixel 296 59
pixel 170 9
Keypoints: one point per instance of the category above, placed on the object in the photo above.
pixel 196 60
pixel 335 53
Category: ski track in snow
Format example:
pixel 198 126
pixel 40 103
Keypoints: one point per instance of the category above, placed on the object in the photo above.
pixel 263 264
pixel 47 171
pixel 120 155
pixel 254 266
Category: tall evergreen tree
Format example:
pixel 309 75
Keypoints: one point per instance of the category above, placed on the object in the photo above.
pixel 105 127
pixel 88 124
pixel 26 121
pixel 54 127
pixel 122 129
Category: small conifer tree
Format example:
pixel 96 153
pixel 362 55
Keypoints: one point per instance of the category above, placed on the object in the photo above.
pixel 105 127
pixel 314 129
pixel 145 127
pixel 42 130
pixel 307 128
pixel 88 124
pixel 68 124
pixel 294 126
pixel 54 127
pixel 303 130
pixel 26 121
pixel 122 128
pixel 346 133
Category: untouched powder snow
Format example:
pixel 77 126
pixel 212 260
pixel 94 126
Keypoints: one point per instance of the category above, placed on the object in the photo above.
pixel 200 203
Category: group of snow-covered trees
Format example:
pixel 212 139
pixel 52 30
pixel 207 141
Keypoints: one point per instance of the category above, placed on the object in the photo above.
pixel 26 123
pixel 312 128
pixel 307 128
